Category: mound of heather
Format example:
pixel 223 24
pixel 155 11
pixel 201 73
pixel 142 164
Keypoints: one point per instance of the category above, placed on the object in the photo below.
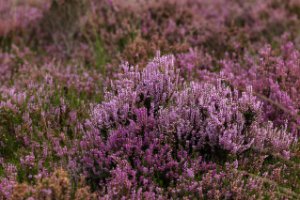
pixel 157 136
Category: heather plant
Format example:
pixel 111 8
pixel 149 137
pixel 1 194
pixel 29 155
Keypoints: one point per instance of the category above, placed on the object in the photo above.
pixel 153 125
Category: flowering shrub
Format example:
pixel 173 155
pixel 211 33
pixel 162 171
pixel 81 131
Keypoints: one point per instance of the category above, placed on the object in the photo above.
pixel 152 125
